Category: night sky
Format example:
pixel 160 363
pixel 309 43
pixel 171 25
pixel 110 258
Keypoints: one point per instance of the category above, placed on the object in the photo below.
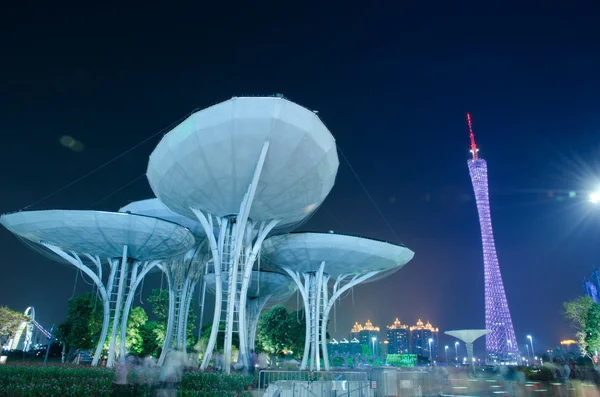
pixel 393 86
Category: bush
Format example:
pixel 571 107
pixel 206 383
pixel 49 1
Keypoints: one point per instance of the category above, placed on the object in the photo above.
pixel 69 381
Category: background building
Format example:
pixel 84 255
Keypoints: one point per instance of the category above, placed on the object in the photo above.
pixel 398 338
pixel 420 335
pixel 365 334
pixel 592 285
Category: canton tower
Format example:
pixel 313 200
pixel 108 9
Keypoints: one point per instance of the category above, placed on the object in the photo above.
pixel 500 343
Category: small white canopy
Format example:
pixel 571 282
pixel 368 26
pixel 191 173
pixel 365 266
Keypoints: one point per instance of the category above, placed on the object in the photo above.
pixel 304 252
pixel 102 233
pixel 468 335
pixel 155 208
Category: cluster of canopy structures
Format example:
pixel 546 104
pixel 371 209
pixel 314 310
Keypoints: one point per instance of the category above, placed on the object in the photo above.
pixel 231 182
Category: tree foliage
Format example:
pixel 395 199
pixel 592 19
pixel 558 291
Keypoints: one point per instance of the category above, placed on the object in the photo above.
pixel 81 329
pixel 9 322
pixel 584 314
pixel 274 329
pixel 159 299
pixel 135 324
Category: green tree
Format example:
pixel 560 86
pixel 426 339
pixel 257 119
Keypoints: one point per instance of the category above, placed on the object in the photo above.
pixel 83 325
pixel 9 322
pixel 135 324
pixel 297 333
pixel 584 314
pixel 159 299
pixel 274 330
pixel 150 339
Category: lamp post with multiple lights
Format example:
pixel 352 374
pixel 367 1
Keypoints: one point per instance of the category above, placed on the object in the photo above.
pixel 430 351
pixel 456 352
pixel 374 339
pixel 446 352
pixel 532 351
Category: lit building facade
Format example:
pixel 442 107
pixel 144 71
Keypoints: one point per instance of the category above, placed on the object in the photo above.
pixel 592 285
pixel 420 334
pixel 398 338
pixel 365 334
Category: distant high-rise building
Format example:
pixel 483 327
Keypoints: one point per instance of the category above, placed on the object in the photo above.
pixel 420 334
pixel 365 334
pixel 398 338
pixel 592 285
pixel 500 343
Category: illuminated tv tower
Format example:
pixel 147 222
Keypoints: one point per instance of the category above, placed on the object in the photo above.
pixel 500 343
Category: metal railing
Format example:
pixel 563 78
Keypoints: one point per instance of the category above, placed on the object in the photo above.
pixel 392 382
pixel 313 384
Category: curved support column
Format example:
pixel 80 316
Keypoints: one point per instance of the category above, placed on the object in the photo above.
pixel 186 310
pixel 247 274
pixel 117 315
pixel 182 299
pixel 75 261
pixel 336 294
pixel 169 334
pixel 133 285
pixel 255 308
pixel 303 288
pixel 215 249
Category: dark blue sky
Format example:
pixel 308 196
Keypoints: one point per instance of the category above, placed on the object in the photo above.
pixel 393 86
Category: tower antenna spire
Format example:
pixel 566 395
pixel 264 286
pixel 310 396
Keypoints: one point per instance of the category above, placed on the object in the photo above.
pixel 474 149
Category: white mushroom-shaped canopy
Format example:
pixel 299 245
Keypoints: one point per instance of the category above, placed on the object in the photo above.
pixel 468 335
pixel 279 286
pixel 102 233
pixel 342 254
pixel 155 208
pixel 207 162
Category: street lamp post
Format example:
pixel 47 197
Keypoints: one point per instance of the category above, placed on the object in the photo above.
pixel 528 356
pixel 446 351
pixel 456 352
pixel 374 339
pixel 430 351
pixel 531 341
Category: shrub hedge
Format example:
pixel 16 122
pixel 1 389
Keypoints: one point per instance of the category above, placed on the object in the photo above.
pixel 69 381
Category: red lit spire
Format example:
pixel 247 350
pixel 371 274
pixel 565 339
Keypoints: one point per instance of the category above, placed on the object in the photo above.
pixel 474 149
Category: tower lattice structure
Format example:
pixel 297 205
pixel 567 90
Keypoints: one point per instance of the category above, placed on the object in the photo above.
pixel 500 342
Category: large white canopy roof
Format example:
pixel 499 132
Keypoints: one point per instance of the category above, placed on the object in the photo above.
pixel 155 208
pixel 102 233
pixel 280 286
pixel 208 160
pixel 304 252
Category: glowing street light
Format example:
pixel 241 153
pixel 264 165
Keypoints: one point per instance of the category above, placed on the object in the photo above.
pixel 595 197
pixel 531 341
pixel 430 351
pixel 374 339
pixel 446 351
pixel 456 352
